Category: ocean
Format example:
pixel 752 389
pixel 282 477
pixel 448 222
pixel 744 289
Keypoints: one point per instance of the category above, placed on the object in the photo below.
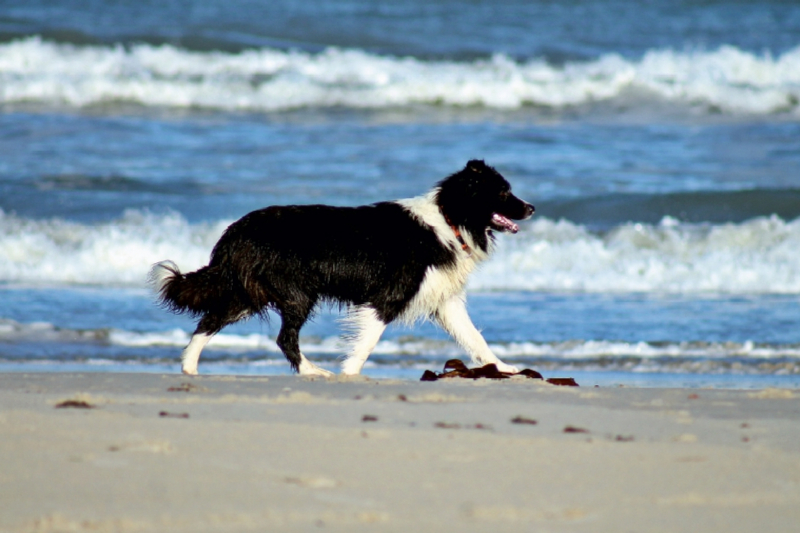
pixel 659 142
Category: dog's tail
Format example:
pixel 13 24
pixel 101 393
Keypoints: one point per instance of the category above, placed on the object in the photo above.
pixel 197 292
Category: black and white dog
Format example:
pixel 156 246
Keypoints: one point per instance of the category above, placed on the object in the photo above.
pixel 402 260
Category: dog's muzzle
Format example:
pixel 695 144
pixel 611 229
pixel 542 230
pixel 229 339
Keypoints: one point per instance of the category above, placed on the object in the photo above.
pixel 503 223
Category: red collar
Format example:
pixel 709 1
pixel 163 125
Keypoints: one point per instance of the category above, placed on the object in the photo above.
pixel 461 241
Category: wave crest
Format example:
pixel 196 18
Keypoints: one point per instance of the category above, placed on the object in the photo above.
pixel 119 252
pixel 755 256
pixel 265 80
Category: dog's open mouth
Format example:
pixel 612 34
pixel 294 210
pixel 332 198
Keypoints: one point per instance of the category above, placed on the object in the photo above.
pixel 501 223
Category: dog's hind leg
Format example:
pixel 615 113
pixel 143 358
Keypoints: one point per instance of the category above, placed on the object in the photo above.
pixel 453 317
pixel 289 343
pixel 208 326
pixel 191 354
pixel 367 329
pixel 307 368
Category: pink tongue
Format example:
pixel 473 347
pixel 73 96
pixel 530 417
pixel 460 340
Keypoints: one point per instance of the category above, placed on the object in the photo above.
pixel 503 222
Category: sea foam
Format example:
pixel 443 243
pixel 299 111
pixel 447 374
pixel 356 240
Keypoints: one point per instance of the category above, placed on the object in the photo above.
pixel 120 252
pixel 728 79
pixel 755 256
pixel 390 351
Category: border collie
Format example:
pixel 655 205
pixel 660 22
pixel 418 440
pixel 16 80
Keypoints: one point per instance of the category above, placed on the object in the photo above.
pixel 402 260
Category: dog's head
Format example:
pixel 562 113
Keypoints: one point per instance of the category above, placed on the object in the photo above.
pixel 479 200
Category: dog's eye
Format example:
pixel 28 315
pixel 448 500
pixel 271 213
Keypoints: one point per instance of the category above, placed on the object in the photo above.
pixel 504 195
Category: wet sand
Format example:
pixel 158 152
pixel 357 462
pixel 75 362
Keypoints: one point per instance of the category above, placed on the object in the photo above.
pixel 158 453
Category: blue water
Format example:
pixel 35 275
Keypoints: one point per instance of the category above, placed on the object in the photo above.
pixel 660 144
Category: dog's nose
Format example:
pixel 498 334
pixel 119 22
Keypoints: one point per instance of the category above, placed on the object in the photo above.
pixel 529 210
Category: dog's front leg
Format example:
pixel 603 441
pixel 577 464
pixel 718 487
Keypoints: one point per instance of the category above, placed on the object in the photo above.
pixel 454 319
pixel 366 330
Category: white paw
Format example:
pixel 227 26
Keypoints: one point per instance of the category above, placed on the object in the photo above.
pixel 189 370
pixel 352 367
pixel 307 368
pixel 502 367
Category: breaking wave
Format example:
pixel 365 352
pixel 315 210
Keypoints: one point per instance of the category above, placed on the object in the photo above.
pixel 264 80
pixel 755 256
pixel 119 252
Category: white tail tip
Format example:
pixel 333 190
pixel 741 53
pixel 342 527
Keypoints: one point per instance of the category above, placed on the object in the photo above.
pixel 160 274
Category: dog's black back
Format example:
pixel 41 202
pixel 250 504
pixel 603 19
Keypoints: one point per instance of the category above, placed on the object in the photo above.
pixel 283 256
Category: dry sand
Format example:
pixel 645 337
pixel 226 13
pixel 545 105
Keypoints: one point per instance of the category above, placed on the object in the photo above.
pixel 161 453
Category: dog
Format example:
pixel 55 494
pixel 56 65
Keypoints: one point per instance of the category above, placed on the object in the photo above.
pixel 402 260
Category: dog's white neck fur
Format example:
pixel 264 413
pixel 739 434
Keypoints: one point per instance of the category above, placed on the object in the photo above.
pixel 425 209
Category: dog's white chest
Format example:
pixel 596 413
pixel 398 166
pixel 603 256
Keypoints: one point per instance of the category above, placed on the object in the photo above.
pixel 438 286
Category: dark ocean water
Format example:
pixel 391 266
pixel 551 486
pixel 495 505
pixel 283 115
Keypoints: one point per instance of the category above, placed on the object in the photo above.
pixel 659 141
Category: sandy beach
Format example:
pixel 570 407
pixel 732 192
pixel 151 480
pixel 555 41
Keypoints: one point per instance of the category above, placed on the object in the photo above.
pixel 148 452
pixel 659 142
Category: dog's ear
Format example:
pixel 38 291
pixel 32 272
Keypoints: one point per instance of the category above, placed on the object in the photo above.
pixel 476 165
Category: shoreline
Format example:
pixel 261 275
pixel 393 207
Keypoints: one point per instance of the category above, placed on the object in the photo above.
pixel 585 377
pixel 166 452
